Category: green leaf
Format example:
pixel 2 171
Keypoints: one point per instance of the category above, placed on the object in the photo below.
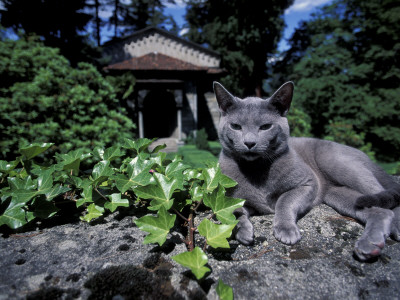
pixel 21 184
pixel 34 150
pixel 196 192
pixel 56 191
pixel 87 195
pixel 72 160
pixel 138 174
pixel 45 182
pixel 93 211
pixel 213 177
pixel 14 215
pixel 175 170
pixel 158 148
pixel 112 153
pixel 101 172
pixel 157 227
pixel 116 202
pixel 192 174
pixel 44 209
pixel 160 193
pixel 216 234
pixel 139 145
pixel 195 261
pixel 224 291
pixel 175 167
pixel 6 167
pixel 223 206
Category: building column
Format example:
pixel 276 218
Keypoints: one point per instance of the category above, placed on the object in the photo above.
pixel 141 95
pixel 178 94
pixel 141 127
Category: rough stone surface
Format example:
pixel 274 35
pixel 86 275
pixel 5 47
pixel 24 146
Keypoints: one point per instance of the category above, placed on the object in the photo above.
pixel 107 260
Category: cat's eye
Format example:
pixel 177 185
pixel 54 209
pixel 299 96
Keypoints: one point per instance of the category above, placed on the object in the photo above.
pixel 265 126
pixel 236 126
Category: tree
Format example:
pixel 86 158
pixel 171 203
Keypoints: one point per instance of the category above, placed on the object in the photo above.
pixel 58 22
pixel 43 99
pixel 345 63
pixel 244 34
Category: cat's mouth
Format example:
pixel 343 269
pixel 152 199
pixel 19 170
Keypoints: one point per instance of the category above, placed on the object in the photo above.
pixel 250 155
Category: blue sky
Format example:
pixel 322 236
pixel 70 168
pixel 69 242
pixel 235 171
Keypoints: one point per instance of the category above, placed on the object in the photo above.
pixel 300 10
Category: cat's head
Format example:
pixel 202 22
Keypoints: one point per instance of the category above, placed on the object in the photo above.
pixel 254 128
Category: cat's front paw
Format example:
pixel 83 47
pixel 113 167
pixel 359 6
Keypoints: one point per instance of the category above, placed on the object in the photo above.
pixel 288 234
pixel 245 232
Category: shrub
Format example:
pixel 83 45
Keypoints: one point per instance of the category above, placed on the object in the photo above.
pixel 344 133
pixel 43 99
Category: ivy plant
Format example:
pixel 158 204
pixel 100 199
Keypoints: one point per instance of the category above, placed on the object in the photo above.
pixel 122 177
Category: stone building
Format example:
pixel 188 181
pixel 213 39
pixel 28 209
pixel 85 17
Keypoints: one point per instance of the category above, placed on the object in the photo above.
pixel 173 91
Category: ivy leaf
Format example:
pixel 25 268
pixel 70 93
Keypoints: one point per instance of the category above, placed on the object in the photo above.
pixel 55 191
pixel 196 192
pixel 224 291
pixel 160 193
pixel 86 194
pixel 6 167
pixel 139 145
pixel 21 184
pixel 14 215
pixel 158 148
pixel 138 174
pixel 116 202
pixel 213 177
pixel 34 150
pixel 223 206
pixel 175 167
pixel 192 174
pixel 194 260
pixel 45 182
pixel 112 153
pixel 44 209
pixel 157 227
pixel 175 170
pixel 93 211
pixel 72 160
pixel 101 172
pixel 216 234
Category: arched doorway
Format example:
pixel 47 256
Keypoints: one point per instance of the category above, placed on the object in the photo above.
pixel 159 114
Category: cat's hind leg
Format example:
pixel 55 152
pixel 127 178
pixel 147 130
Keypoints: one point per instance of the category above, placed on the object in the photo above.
pixel 395 230
pixel 378 221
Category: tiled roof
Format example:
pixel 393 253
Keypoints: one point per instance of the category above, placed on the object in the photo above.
pixel 158 61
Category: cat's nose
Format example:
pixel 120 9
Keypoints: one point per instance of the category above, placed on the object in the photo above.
pixel 250 144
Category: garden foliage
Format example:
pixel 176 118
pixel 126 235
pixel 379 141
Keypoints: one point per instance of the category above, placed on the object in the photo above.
pixel 130 176
pixel 43 99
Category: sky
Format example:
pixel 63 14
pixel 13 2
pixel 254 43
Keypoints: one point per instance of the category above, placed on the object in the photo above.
pixel 300 10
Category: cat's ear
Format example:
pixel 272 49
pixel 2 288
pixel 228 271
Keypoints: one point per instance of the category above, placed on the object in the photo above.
pixel 282 98
pixel 224 98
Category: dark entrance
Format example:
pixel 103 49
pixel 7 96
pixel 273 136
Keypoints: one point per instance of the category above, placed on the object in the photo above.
pixel 159 114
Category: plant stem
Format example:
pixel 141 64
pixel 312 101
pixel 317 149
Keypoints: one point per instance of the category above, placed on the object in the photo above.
pixel 191 231
pixel 180 215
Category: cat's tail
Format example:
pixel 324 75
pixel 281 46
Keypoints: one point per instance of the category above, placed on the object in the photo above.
pixel 387 199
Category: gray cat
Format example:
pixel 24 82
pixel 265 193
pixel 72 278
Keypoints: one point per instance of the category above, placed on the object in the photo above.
pixel 287 176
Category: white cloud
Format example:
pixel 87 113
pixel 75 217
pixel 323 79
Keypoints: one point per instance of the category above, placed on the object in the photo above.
pixel 305 5
pixel 178 4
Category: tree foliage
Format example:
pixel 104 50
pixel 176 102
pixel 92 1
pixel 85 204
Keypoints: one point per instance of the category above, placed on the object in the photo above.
pixel 244 33
pixel 42 99
pixel 60 23
pixel 345 62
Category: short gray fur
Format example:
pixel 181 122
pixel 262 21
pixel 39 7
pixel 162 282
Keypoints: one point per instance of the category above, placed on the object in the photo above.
pixel 288 176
